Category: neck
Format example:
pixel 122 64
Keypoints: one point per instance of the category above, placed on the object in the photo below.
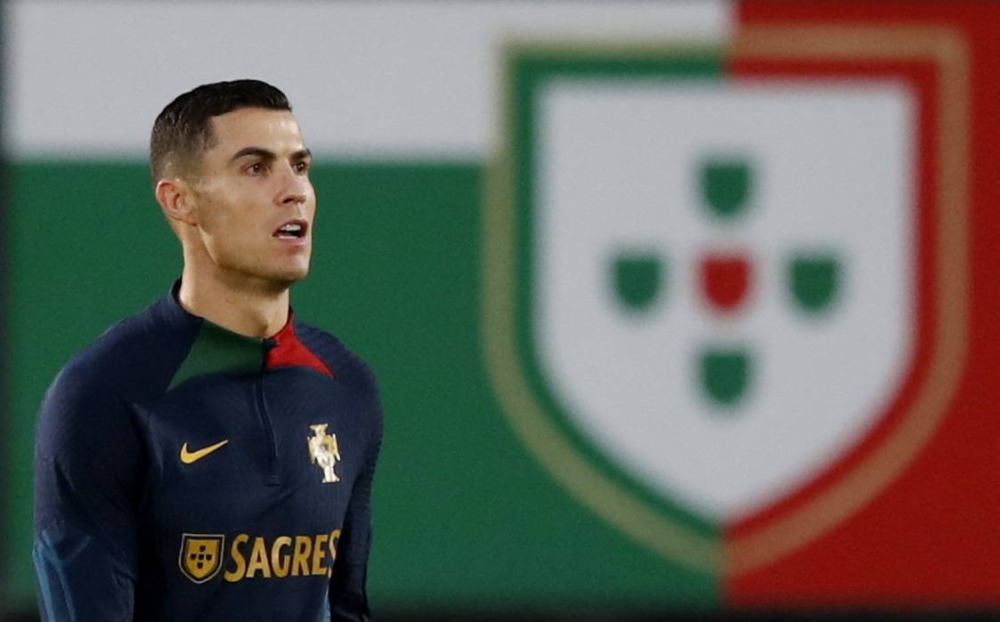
pixel 247 308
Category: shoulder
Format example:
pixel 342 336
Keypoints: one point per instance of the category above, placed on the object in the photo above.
pixel 131 361
pixel 345 364
pixel 347 367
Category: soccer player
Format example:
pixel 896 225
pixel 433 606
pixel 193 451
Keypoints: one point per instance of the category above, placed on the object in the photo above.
pixel 211 458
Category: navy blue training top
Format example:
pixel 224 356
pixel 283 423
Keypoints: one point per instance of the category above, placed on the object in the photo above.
pixel 185 472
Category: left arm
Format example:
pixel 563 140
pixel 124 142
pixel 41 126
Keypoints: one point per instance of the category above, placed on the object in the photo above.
pixel 348 593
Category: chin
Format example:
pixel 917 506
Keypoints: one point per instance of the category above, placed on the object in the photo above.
pixel 293 275
pixel 278 279
pixel 289 278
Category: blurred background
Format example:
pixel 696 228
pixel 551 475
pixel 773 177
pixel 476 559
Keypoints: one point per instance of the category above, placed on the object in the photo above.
pixel 680 309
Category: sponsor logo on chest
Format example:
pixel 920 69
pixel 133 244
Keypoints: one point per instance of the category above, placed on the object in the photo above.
pixel 203 556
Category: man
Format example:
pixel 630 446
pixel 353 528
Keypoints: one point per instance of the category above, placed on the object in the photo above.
pixel 211 458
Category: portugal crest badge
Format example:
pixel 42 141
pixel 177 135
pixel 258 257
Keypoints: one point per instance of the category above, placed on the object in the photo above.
pixel 324 452
pixel 725 288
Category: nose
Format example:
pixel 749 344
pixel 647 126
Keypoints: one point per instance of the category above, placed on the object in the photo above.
pixel 294 189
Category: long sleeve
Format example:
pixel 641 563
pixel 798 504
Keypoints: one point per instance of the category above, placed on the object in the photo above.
pixel 348 591
pixel 87 469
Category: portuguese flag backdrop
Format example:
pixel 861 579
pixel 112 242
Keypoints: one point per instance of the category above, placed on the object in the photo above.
pixel 476 508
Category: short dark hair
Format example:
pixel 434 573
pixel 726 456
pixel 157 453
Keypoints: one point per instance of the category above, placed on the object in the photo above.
pixel 183 130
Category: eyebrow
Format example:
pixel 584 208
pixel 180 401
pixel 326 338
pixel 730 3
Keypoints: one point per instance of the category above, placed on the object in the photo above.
pixel 301 154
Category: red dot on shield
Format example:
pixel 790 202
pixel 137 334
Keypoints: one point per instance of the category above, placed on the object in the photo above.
pixel 725 281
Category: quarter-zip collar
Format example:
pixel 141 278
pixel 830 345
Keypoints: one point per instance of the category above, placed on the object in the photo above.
pixel 217 349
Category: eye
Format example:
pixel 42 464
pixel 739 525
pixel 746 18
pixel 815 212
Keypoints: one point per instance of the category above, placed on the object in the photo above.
pixel 256 168
pixel 302 166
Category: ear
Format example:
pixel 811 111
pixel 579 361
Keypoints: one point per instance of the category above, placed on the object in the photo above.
pixel 175 198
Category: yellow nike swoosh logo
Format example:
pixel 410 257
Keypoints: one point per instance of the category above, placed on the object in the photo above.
pixel 190 457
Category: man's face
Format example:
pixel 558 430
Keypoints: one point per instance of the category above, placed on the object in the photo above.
pixel 254 202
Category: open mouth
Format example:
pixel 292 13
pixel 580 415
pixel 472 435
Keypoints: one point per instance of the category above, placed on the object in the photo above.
pixel 292 230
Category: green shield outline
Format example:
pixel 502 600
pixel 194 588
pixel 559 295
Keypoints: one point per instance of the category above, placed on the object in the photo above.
pixel 586 473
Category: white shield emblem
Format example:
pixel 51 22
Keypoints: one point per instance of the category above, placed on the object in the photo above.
pixel 710 376
pixel 702 292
